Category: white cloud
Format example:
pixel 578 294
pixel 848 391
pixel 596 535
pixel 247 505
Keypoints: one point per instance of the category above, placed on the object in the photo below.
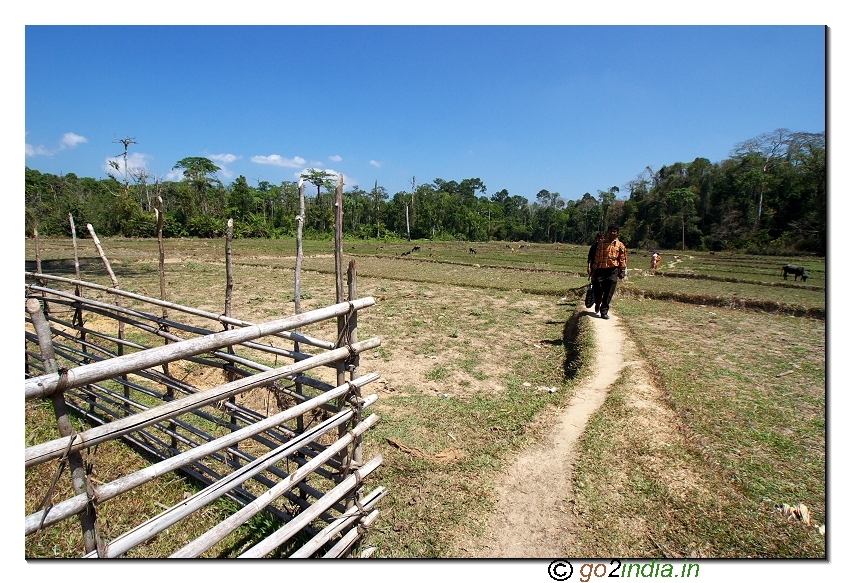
pixel 278 160
pixel 70 140
pixel 176 175
pixel 375 163
pixel 335 158
pixel 37 150
pixel 224 158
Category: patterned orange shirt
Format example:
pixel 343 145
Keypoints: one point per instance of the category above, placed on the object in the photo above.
pixel 611 254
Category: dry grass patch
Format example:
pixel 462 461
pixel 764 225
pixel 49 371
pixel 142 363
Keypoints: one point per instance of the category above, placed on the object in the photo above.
pixel 726 438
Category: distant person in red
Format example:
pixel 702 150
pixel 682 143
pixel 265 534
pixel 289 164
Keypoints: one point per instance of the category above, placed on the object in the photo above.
pixel 656 260
pixel 609 267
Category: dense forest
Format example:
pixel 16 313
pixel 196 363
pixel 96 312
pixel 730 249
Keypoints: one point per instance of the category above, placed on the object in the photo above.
pixel 768 196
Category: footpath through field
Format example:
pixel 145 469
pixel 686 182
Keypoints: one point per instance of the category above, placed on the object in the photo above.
pixel 533 517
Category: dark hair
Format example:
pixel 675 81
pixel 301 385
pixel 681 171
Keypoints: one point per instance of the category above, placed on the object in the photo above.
pixel 614 228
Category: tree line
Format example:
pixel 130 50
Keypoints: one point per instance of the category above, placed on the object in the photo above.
pixel 770 194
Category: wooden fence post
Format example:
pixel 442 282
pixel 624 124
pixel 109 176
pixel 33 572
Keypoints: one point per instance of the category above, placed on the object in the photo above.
pixel 75 459
pixel 120 343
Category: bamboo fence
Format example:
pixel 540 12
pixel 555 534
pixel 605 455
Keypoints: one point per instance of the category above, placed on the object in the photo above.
pixel 301 465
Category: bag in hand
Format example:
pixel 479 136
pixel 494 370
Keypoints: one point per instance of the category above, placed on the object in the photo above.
pixel 588 298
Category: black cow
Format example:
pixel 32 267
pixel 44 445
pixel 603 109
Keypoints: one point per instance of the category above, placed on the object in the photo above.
pixel 796 271
pixel 472 250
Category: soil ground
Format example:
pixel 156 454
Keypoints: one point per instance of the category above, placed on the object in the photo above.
pixel 533 517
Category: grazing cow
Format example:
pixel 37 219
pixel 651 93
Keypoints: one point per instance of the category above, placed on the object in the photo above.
pixel 417 248
pixel 796 271
pixel 472 250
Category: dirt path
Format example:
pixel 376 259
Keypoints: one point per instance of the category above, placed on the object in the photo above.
pixel 532 517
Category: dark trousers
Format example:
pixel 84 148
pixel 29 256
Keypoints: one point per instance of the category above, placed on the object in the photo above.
pixel 605 282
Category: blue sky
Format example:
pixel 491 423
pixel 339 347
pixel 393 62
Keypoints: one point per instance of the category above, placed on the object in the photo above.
pixel 571 109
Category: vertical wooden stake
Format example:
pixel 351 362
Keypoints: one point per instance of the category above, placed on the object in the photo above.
pixel 169 390
pixel 228 303
pixel 120 345
pixel 299 258
pixel 341 321
pixel 66 428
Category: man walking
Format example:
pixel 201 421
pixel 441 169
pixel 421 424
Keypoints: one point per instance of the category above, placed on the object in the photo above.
pixel 609 267
pixel 595 294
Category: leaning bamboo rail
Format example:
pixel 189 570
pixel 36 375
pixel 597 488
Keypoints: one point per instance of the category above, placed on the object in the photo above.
pixel 174 306
pixel 154 526
pixel 56 448
pixel 349 517
pixel 105 492
pixel 218 533
pixel 330 453
pixel 45 384
pixel 136 423
pixel 282 535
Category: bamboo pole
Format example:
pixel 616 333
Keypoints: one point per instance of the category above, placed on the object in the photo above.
pixel 45 384
pixel 343 546
pixel 304 518
pixel 356 458
pixel 120 347
pixel 155 330
pixel 37 250
pixel 76 254
pixel 71 506
pixel 228 298
pixel 299 247
pixel 228 265
pixel 160 220
pixel 79 478
pixel 152 329
pixel 340 292
pixel 43 294
pixel 207 495
pixel 319 343
pixel 221 530
pixel 341 325
pixel 299 258
pixel 37 253
pixel 349 517
pixel 41 453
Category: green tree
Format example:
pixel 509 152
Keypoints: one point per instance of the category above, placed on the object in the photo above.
pixel 198 172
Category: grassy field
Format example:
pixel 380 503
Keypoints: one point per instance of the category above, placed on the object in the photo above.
pixel 479 352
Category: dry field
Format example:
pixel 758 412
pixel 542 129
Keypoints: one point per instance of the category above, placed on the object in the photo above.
pixel 480 355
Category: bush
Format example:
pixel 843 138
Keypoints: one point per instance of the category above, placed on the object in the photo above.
pixel 206 227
